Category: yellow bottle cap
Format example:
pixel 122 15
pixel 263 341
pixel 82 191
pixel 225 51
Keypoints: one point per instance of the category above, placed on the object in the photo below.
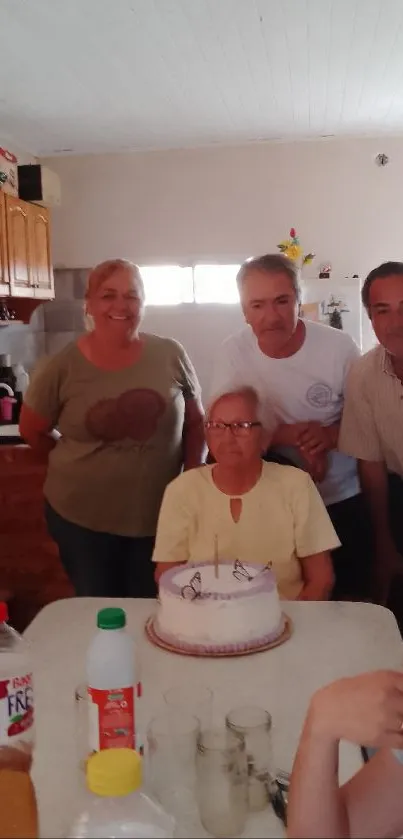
pixel 114 772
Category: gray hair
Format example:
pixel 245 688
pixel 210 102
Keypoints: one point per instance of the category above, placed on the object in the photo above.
pixel 271 263
pixel 265 413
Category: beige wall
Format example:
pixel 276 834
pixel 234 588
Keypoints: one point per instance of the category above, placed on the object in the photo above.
pixel 225 203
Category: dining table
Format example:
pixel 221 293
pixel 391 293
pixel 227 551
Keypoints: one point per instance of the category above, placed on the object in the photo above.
pixel 329 640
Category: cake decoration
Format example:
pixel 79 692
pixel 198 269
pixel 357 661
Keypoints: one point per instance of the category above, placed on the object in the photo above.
pixel 240 573
pixel 268 566
pixel 194 588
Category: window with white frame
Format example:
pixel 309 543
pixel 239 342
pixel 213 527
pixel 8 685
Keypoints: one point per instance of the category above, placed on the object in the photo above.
pixel 215 283
pixel 167 285
pixel 170 285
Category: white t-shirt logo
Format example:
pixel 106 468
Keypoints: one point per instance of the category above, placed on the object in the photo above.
pixel 319 395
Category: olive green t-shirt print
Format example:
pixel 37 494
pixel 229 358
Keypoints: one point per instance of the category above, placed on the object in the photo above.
pixel 134 415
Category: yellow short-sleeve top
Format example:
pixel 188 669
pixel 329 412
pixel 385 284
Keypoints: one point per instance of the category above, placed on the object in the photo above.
pixel 283 519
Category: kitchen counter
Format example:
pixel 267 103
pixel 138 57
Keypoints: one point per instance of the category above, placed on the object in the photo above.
pixel 10 435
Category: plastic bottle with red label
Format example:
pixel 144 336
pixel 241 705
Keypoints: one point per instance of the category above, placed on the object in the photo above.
pixel 114 687
pixel 18 811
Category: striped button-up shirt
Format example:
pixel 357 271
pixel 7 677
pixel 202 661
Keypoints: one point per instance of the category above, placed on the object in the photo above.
pixel 372 423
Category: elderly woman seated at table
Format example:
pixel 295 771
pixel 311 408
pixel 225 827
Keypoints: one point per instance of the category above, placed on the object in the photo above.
pixel 250 510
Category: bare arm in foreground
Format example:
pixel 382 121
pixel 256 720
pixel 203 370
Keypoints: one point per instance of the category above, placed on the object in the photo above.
pixel 365 710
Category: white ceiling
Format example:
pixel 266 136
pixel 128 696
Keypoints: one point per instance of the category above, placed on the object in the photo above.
pixel 110 75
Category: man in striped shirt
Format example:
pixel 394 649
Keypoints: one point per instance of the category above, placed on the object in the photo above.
pixel 372 423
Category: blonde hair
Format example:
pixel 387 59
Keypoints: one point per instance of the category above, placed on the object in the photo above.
pixel 103 272
pixel 264 413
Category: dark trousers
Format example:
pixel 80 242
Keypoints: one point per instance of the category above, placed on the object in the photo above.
pixel 396 510
pixel 353 561
pixel 103 564
pixel 395 600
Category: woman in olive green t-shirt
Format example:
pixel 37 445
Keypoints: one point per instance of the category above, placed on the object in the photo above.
pixel 127 405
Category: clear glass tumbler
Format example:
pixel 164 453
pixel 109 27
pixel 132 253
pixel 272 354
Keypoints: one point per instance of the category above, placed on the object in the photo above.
pixel 195 699
pixel 253 725
pixel 172 739
pixel 222 782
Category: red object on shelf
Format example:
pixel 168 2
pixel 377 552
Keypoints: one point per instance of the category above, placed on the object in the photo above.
pixel 8 172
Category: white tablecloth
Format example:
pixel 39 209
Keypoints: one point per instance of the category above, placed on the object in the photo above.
pixel 330 640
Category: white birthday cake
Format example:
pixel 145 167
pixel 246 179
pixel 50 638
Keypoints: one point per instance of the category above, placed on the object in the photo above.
pixel 232 608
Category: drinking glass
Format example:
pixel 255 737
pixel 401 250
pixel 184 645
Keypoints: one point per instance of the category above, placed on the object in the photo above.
pixel 253 725
pixel 222 782
pixel 171 762
pixel 194 699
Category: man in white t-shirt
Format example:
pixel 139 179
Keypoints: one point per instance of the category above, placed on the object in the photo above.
pixel 300 368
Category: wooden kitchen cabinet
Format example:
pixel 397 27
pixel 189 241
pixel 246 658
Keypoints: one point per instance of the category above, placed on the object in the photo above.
pixel 41 260
pixel 27 249
pixel 4 270
pixel 19 256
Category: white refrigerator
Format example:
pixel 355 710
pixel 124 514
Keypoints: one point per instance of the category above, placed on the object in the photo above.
pixel 346 292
